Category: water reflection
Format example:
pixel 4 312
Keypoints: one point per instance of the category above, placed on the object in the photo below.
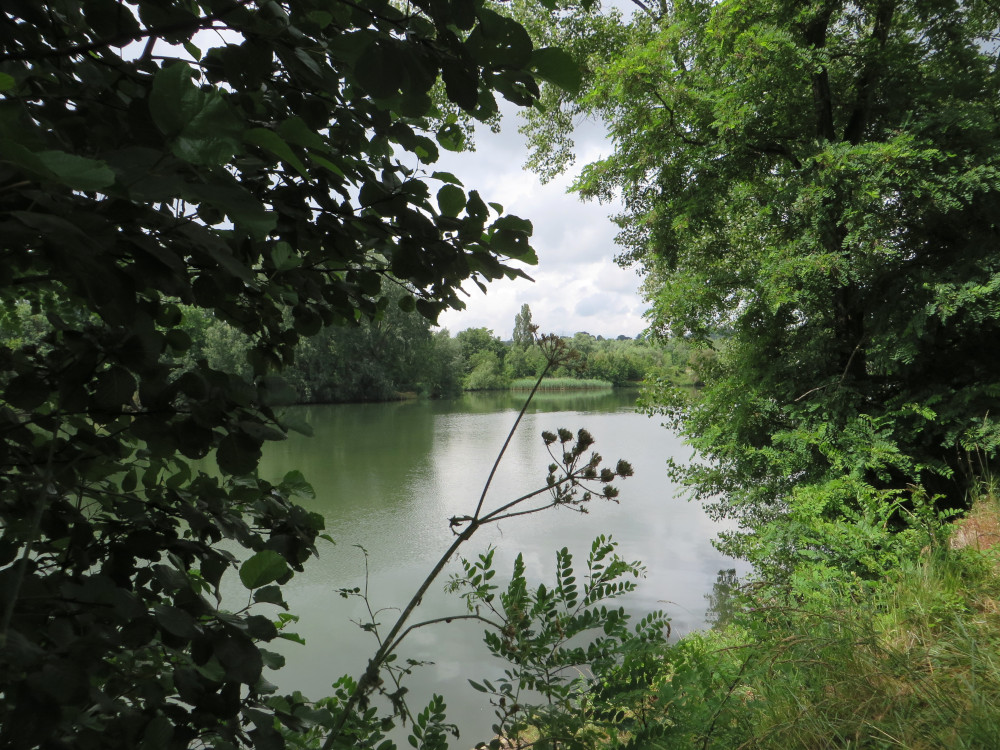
pixel 389 476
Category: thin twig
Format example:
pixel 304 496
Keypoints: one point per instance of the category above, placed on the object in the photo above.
pixel 510 435
pixel 436 620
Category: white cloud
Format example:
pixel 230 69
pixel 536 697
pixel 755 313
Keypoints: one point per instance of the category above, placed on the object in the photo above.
pixel 578 287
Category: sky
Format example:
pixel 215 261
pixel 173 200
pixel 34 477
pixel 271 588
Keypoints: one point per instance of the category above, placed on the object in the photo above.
pixel 577 284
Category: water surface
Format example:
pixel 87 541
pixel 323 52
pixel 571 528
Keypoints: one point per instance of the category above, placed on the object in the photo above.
pixel 389 476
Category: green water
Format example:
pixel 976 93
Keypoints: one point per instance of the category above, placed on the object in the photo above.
pixel 389 476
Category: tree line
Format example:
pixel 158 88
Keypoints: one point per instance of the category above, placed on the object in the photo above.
pixel 400 354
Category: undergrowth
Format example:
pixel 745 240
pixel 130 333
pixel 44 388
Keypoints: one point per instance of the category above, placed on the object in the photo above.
pixel 911 661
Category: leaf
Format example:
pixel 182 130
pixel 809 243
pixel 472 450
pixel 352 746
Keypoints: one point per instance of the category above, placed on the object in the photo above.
pixel 451 200
pixel 296 484
pixel 271 141
pixel 446 177
pixel 115 387
pixel 557 67
pixel 451 137
pixel 243 209
pixel 296 131
pixel 176 621
pixel 265 567
pixel 270 595
pixel 26 392
pixel 499 42
pixel 378 70
pixel 199 123
pixel 241 659
pixel 7 82
pixel 237 454
pixel 460 84
pixel 77 172
pixel 284 258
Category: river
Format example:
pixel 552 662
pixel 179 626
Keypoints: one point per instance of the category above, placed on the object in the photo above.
pixel 389 476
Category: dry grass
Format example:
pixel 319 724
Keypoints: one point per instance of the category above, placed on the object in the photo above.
pixel 980 529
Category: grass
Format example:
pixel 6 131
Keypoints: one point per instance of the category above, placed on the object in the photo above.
pixel 560 384
pixel 909 662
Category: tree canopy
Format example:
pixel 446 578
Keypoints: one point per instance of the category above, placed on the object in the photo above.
pixel 263 162
pixel 812 189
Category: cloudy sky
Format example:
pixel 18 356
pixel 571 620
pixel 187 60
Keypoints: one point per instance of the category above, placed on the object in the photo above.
pixel 578 286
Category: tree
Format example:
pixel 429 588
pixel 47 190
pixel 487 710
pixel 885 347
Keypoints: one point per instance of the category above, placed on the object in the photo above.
pixel 524 331
pixel 811 189
pixel 268 171
pixel 472 341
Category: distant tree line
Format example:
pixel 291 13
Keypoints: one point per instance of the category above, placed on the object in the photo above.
pixel 398 352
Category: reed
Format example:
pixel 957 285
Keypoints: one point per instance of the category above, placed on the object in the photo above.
pixel 560 384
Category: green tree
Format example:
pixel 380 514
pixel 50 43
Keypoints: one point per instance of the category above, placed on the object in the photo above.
pixel 817 183
pixel 264 172
pixel 485 373
pixel 472 341
pixel 524 331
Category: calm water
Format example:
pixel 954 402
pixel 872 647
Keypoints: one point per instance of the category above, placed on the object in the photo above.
pixel 389 476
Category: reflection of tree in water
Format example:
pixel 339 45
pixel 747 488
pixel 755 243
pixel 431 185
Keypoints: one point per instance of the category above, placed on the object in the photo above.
pixel 722 600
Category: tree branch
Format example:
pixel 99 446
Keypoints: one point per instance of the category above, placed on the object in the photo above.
pixel 436 620
pixel 869 75
pixel 815 35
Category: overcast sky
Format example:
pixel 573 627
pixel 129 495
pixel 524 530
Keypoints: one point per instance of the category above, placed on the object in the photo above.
pixel 577 285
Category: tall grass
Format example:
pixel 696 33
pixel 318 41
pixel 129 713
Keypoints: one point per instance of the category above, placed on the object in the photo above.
pixel 560 384
pixel 910 662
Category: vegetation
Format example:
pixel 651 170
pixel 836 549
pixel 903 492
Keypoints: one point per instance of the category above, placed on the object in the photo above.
pixel 811 190
pixel 560 384
pixel 905 662
pixel 165 166
pixel 815 186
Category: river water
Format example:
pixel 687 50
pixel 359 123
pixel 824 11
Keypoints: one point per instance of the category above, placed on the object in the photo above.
pixel 389 476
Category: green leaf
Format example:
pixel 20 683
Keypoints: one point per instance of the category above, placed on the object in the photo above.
pixel 176 621
pixel 296 423
pixel 115 387
pixel 296 484
pixel 378 70
pixel 77 172
pixel 265 567
pixel 7 82
pixel 243 209
pixel 284 258
pixel 451 137
pixel 557 67
pixel 270 595
pixel 271 141
pixel 499 42
pixel 296 131
pixel 237 454
pixel 446 177
pixel 26 392
pixel 451 200
pixel 295 637
pixel 173 98
pixel 241 659
pixel 199 123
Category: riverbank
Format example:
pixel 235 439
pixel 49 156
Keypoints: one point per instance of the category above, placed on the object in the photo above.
pixel 908 661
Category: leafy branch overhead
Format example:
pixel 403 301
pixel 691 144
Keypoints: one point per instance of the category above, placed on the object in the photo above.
pixel 261 163
pixel 811 190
